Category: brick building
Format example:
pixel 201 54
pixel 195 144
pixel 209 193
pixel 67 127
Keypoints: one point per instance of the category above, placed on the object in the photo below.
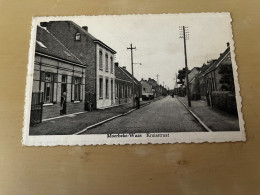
pixel 99 58
pixel 124 86
pixel 218 76
pixel 58 74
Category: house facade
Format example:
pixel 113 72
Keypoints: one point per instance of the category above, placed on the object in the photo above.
pixel 194 83
pixel 58 75
pixel 155 87
pixel 99 58
pixel 147 90
pixel 218 76
pixel 124 86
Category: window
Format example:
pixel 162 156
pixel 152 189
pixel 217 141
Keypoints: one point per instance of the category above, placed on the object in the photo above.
pixel 48 88
pixel 116 86
pixel 122 89
pixel 77 37
pixel 112 90
pixel 111 65
pixel 107 92
pixel 77 83
pixel 106 63
pixel 100 60
pixel 100 87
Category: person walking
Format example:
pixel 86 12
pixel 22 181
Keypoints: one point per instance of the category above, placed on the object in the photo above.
pixel 137 102
pixel 63 104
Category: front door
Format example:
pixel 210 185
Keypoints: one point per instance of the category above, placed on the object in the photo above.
pixel 63 94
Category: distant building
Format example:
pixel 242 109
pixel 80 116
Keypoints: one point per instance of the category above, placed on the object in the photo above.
pixel 194 83
pixel 155 87
pixel 99 58
pixel 147 90
pixel 58 74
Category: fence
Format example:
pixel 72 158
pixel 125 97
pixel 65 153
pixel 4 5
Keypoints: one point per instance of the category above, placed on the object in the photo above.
pixel 36 108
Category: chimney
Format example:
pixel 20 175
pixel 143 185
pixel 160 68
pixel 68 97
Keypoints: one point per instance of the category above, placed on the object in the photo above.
pixel 116 63
pixel 85 28
pixel 227 44
pixel 124 67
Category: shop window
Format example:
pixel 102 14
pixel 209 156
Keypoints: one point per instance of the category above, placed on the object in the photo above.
pixel 48 87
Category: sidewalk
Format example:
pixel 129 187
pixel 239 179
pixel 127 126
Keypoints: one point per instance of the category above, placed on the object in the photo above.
pixel 215 119
pixel 71 124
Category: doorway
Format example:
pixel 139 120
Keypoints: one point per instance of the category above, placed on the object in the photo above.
pixel 63 101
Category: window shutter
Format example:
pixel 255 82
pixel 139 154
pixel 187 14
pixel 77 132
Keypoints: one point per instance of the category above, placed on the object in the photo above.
pixel 42 76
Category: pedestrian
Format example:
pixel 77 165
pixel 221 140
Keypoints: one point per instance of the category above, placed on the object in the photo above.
pixel 137 102
pixel 63 103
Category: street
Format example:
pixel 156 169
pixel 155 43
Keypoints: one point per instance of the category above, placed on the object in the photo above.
pixel 165 115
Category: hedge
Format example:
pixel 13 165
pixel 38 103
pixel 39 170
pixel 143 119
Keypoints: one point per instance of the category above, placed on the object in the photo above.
pixel 224 100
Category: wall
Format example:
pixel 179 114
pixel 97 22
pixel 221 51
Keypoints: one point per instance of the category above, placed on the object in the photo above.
pixel 53 110
pixel 208 168
pixel 105 74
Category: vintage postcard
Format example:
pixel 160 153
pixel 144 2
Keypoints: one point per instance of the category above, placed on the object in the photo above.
pixel 132 79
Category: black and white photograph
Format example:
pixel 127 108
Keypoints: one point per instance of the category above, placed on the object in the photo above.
pixel 132 79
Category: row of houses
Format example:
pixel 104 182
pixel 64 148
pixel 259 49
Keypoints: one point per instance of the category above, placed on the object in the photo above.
pixel 151 89
pixel 73 66
pixel 213 82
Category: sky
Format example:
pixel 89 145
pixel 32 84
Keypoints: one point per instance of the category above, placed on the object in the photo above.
pixel 157 42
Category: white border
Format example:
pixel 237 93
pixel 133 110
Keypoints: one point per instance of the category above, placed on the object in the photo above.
pixel 101 139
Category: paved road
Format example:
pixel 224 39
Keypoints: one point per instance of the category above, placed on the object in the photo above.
pixel 165 115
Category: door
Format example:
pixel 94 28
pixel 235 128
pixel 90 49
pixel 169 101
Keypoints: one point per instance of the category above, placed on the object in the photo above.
pixel 63 94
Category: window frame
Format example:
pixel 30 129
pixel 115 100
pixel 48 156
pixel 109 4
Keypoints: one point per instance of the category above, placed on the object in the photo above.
pixel 107 88
pixel 77 90
pixel 106 62
pixel 100 60
pixel 51 88
pixel 101 90
pixel 77 36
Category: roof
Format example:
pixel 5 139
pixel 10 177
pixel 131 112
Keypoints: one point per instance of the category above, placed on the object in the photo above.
pixel 48 44
pixel 216 63
pixel 121 75
pixel 145 81
pixel 92 37
pixel 152 82
pixel 128 74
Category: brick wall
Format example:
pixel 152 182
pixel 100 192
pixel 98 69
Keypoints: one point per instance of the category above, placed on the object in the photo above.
pixel 84 49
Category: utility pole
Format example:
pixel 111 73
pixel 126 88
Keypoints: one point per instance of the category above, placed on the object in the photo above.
pixel 132 64
pixel 186 36
pixel 157 79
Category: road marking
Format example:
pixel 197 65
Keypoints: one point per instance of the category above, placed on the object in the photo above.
pixel 196 117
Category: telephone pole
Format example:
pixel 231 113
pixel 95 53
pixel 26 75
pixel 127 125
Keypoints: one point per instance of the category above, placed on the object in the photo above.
pixel 186 36
pixel 132 64
pixel 157 79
